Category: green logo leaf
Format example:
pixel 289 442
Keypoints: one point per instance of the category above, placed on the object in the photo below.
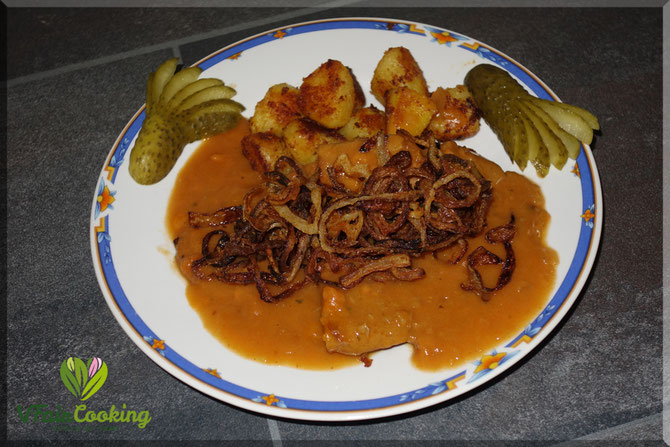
pixel 81 379
pixel 95 382
pixel 68 378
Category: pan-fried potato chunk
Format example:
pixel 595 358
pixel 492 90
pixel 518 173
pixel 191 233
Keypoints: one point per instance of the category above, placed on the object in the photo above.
pixel 263 150
pixel 408 110
pixel 303 137
pixel 456 117
pixel 365 123
pixel 278 108
pixel 329 95
pixel 397 68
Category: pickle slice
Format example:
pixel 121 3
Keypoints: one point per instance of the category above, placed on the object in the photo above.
pixel 571 144
pixel 587 116
pixel 205 95
pixel 521 142
pixel 209 118
pixel 156 150
pixel 180 109
pixel 180 80
pixel 537 151
pixel 568 121
pixel 157 81
pixel 190 89
pixel 529 128
pixel 558 154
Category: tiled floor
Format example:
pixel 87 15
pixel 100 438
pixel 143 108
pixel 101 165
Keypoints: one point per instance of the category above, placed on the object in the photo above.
pixel 75 77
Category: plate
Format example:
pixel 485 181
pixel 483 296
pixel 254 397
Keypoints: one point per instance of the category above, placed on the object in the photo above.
pixel 133 254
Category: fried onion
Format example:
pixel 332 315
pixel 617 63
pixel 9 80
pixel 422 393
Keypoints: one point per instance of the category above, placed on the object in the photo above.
pixel 291 230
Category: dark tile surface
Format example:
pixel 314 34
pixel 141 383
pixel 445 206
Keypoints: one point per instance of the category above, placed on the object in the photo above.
pixel 42 38
pixel 60 129
pixel 601 368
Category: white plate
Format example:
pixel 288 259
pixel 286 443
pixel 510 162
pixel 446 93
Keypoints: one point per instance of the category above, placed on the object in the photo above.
pixel 133 254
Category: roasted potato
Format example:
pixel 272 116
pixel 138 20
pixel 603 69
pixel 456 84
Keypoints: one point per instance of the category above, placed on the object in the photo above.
pixel 329 95
pixel 278 108
pixel 365 123
pixel 408 110
pixel 303 137
pixel 397 68
pixel 263 150
pixel 456 117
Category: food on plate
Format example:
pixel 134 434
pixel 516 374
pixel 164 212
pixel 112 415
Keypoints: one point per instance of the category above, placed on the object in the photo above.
pixel 303 137
pixel 330 94
pixel 408 110
pixel 295 229
pixel 364 123
pixel 278 108
pixel 456 117
pixel 310 237
pixel 531 129
pixel 397 68
pixel 180 108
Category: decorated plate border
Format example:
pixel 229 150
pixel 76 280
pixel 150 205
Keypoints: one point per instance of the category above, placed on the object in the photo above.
pixel 471 376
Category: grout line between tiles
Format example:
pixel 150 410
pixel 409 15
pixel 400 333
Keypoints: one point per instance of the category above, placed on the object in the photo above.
pixel 275 436
pixel 173 44
pixel 603 434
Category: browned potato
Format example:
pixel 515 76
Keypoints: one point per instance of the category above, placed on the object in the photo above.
pixel 397 68
pixel 263 150
pixel 408 110
pixel 365 123
pixel 278 108
pixel 456 117
pixel 303 137
pixel 328 95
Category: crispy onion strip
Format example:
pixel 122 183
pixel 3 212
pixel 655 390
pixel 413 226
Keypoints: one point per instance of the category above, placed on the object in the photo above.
pixel 326 245
pixel 451 201
pixel 298 222
pixel 290 223
pixel 380 149
pixel 378 265
pixel 218 218
pixel 481 256
pixel 283 184
pixel 264 290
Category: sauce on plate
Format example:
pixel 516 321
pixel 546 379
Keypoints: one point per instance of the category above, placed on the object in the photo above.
pixel 447 326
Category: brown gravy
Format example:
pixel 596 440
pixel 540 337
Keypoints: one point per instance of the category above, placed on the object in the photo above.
pixel 447 326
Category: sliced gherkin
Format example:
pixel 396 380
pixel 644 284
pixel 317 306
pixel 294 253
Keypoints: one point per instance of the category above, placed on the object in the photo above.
pixel 157 81
pixel 571 144
pixel 205 95
pixel 190 89
pixel 209 118
pixel 530 129
pixel 521 143
pixel 167 128
pixel 568 121
pixel 558 154
pixel 156 150
pixel 180 80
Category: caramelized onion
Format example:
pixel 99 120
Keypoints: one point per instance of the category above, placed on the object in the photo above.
pixel 290 230
pixel 377 265
pixel 481 256
pixel 218 218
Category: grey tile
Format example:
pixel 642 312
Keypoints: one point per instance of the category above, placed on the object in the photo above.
pixel 59 133
pixel 41 39
pixel 646 429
